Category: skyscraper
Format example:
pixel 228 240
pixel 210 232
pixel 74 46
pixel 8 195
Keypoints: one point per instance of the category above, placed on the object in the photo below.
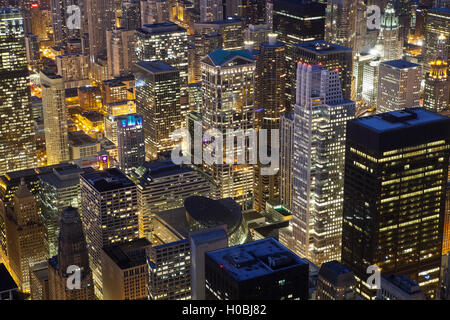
pixel 329 55
pixel 270 101
pixel 120 51
pixel 109 212
pixel 158 101
pixel 394 196
pixel 25 235
pixel 211 10
pixel 72 251
pixel 436 25
pixel 398 85
pixel 125 270
pixel 389 40
pixel 58 189
pixel 170 271
pixel 320 117
pixel 130 141
pixel 298 21
pixel 166 42
pixel 340 22
pixel 17 146
pixel 228 82
pixel 436 92
pixel 163 185
pixel 55 118
pixel 101 17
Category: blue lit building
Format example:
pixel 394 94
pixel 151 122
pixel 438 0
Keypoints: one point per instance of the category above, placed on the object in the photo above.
pixel 130 141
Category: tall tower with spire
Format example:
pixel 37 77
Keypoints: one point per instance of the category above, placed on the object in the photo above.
pixel 72 253
pixel 388 39
pixel 436 92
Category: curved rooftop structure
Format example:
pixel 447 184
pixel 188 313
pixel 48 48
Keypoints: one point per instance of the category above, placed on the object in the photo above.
pixel 202 213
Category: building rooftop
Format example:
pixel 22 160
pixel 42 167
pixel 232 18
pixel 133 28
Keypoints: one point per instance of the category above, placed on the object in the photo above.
pixel 211 213
pixel 130 254
pixel 400 64
pixel 107 180
pixel 404 283
pixel 156 66
pixel 398 129
pixel 220 22
pixel 255 259
pixel 152 170
pixel 6 281
pixel 208 236
pixel 64 177
pixel 400 119
pixel 337 274
pixel 322 46
pixel 79 138
pixel 160 28
pixel 220 56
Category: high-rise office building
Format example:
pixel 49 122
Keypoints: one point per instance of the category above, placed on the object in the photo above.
pixel 436 25
pixel 330 56
pixel 298 21
pixel 394 196
pixel 170 271
pixel 262 269
pixel 335 282
pixel 154 11
pixel 61 14
pixel 398 85
pixel 257 33
pixel 202 242
pixel 340 22
pixel 55 118
pixel 167 42
pixel 228 82
pixel 391 45
pixel 72 251
pixel 163 185
pixel 17 144
pixel 125 270
pixel 25 236
pixel 286 156
pixel 109 211
pixel 101 17
pixel 270 101
pixel 437 83
pixel 130 141
pixel 229 31
pixel 158 101
pixel 131 14
pixel 74 68
pixel 57 190
pixel 211 10
pixel 320 117
pixel 120 51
